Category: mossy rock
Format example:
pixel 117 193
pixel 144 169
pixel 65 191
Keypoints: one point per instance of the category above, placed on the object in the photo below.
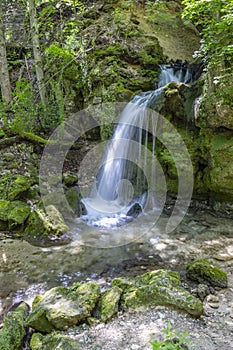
pixel 60 201
pixel 109 304
pixel 61 307
pixel 160 287
pixel 18 187
pixel 203 271
pixel 218 177
pixel 73 199
pixel 69 179
pixel 46 223
pixel 13 332
pixel 18 213
pixel 4 210
pixel 54 341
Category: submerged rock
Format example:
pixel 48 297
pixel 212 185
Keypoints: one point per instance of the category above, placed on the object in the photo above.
pixel 158 287
pixel 54 341
pixel 61 307
pixel 13 332
pixel 202 271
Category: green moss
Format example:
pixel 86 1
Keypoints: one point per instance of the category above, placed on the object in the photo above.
pixel 18 213
pixel 46 223
pixel 4 210
pixel 159 287
pixel 108 304
pixel 203 271
pixel 72 197
pixel 53 341
pixel 18 187
pixel 61 307
pixel 13 331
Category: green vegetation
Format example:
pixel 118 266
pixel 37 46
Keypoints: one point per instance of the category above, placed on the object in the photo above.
pixel 173 340
pixel 214 19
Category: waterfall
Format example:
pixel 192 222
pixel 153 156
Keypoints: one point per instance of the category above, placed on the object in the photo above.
pixel 122 187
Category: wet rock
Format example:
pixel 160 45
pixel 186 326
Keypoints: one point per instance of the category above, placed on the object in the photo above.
pixel 158 287
pixel 202 271
pixel 53 341
pixel 108 304
pixel 46 223
pixel 13 332
pixel 61 307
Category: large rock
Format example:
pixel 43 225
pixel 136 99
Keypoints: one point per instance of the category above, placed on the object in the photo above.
pixel 160 287
pixel 61 307
pixel 46 223
pixel 203 271
pixel 13 332
pixel 54 341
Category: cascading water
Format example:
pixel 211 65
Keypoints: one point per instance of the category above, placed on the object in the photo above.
pixel 127 173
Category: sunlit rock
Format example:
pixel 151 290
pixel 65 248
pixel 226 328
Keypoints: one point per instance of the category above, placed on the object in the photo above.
pixel 53 341
pixel 158 287
pixel 61 307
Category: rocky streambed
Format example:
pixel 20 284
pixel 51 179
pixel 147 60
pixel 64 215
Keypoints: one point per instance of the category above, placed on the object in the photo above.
pixel 28 270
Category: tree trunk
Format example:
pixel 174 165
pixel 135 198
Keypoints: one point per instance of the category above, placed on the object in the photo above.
pixel 36 51
pixel 4 72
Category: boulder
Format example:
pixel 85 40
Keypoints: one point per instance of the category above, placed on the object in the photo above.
pixel 53 341
pixel 160 287
pixel 203 271
pixel 61 307
pixel 46 223
pixel 13 332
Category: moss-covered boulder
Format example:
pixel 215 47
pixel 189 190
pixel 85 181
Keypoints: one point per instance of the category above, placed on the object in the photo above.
pixel 109 304
pixel 18 187
pixel 54 341
pixel 61 307
pixel 203 271
pixel 160 287
pixel 4 210
pixel 49 223
pixel 18 213
pixel 13 332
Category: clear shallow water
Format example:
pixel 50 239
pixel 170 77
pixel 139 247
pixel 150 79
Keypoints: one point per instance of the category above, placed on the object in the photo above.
pixel 27 270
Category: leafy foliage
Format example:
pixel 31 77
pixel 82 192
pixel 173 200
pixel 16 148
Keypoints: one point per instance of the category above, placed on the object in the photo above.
pixel 172 341
pixel 214 18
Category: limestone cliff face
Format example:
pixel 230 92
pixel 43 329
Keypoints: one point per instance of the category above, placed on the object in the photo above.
pixel 122 46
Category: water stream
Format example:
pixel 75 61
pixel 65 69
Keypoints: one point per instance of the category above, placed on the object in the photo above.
pixel 126 182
